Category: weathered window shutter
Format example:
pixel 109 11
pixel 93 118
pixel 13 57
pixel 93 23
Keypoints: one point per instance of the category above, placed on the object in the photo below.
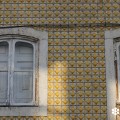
pixel 23 73
pixel 3 72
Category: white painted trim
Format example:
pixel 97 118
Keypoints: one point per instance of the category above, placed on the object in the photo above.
pixel 23 111
pixel 110 71
pixel 9 67
pixel 13 69
pixel 118 68
pixel 7 100
pixel 42 39
pixel 41 35
pixel 43 73
pixel 110 79
pixel 111 34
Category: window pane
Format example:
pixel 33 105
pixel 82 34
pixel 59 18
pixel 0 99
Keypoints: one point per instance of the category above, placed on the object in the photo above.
pixel 23 73
pixel 22 87
pixel 3 71
pixel 23 56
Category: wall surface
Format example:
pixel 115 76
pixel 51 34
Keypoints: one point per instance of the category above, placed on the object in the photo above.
pixel 76 60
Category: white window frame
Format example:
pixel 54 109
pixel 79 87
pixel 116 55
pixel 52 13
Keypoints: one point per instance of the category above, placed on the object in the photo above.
pixel 4 104
pixel 110 48
pixel 13 63
pixel 118 68
pixel 30 35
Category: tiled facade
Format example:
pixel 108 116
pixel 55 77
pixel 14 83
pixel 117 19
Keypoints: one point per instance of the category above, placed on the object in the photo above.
pixel 76 60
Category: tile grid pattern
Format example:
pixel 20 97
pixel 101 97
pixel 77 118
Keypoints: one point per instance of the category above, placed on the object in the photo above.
pixel 76 61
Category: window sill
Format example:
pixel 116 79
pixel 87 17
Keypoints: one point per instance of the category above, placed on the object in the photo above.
pixel 23 111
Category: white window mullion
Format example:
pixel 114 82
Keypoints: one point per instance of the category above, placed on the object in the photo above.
pixel 11 70
pixel 34 80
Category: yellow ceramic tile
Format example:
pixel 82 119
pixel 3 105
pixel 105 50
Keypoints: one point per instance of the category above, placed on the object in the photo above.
pixel 76 59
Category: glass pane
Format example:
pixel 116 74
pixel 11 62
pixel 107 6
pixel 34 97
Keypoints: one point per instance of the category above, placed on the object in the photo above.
pixel 23 56
pixel 23 90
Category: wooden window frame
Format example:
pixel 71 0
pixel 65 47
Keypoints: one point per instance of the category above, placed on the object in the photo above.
pixel 40 38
